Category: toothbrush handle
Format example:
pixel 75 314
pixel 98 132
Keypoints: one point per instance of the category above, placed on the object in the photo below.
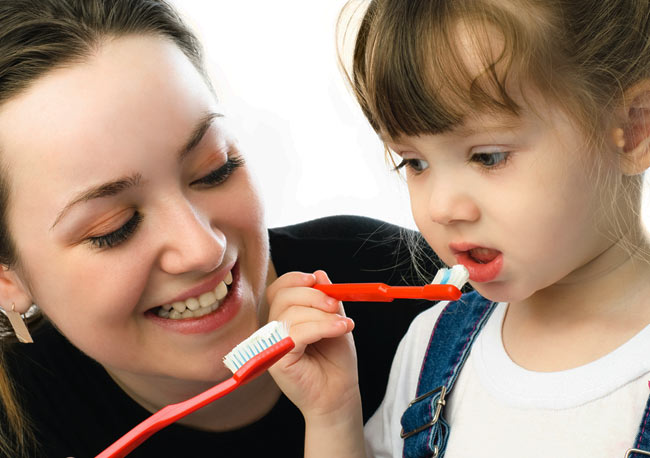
pixel 357 292
pixel 164 417
pixel 169 414
pixel 380 292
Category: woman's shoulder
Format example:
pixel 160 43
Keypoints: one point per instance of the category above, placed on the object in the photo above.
pixel 354 249
pixel 339 226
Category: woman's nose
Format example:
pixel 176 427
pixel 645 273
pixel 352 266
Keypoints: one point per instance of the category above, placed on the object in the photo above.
pixel 190 243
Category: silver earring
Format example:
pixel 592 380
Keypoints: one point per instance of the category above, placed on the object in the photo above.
pixel 18 325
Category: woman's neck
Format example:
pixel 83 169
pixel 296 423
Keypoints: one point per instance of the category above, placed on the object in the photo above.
pixel 245 405
pixel 242 407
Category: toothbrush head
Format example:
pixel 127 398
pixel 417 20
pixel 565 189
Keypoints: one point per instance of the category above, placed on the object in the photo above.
pixel 259 351
pixel 457 275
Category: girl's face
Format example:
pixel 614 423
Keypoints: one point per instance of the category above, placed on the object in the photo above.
pixel 127 195
pixel 514 200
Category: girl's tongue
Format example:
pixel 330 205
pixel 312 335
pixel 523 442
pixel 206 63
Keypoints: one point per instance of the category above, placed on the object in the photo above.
pixel 483 255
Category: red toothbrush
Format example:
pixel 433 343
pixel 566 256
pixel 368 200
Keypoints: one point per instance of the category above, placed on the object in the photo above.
pixel 446 287
pixel 380 292
pixel 247 360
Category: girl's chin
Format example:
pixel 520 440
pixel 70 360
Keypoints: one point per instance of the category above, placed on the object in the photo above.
pixel 499 292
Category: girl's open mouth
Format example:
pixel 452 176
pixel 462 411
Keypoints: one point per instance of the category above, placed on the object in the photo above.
pixel 483 264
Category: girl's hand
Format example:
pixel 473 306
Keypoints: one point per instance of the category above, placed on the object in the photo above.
pixel 320 374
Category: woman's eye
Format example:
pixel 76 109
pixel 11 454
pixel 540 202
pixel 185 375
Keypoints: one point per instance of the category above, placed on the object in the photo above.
pixel 414 165
pixel 218 176
pixel 492 159
pixel 117 236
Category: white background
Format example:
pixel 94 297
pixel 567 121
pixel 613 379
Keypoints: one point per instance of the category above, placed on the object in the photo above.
pixel 274 68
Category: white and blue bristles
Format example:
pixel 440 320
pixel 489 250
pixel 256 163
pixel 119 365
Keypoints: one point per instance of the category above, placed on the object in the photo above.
pixel 457 275
pixel 266 336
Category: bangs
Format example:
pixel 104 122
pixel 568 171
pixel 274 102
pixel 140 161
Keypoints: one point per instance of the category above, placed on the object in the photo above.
pixel 421 67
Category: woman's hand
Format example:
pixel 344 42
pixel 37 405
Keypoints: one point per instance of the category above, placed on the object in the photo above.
pixel 320 374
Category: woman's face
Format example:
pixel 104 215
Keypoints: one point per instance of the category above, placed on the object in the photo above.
pixel 129 195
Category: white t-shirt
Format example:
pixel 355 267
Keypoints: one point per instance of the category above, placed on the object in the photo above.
pixel 498 409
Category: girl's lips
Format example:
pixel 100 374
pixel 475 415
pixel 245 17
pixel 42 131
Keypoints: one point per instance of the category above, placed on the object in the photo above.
pixel 480 271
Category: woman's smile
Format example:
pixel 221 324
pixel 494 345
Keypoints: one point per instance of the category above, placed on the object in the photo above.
pixel 201 313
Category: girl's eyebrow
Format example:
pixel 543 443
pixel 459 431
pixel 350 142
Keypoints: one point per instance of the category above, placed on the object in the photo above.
pixel 472 126
pixel 499 122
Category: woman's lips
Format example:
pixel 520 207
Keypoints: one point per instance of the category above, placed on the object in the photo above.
pixel 205 286
pixel 483 264
pixel 226 311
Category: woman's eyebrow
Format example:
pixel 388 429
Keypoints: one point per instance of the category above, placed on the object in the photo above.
pixel 107 189
pixel 197 134
pixel 114 187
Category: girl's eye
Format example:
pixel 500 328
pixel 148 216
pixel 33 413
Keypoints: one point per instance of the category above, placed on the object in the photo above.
pixel 491 160
pixel 218 176
pixel 117 236
pixel 414 165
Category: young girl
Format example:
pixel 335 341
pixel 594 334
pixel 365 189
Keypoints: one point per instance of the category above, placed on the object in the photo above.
pixel 129 217
pixel 523 127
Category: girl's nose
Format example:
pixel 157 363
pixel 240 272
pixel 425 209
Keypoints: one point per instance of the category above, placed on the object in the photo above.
pixel 451 204
pixel 190 244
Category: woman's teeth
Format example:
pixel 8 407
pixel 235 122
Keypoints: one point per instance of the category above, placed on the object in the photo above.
pixel 195 307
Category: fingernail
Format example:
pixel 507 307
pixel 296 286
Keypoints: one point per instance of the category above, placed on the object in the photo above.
pixel 331 301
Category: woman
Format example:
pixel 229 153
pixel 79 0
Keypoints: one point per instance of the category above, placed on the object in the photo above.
pixel 131 220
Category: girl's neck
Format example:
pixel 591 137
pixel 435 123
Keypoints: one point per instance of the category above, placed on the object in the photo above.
pixel 586 316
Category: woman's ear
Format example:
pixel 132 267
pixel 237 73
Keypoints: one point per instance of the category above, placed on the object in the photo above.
pixel 13 291
pixel 632 136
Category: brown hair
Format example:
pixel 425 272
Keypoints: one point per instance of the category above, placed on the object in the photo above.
pixel 37 36
pixel 409 76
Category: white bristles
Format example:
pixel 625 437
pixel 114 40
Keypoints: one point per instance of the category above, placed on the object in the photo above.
pixel 457 276
pixel 266 336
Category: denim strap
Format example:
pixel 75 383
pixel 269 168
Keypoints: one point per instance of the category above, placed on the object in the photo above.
pixel 642 442
pixel 424 429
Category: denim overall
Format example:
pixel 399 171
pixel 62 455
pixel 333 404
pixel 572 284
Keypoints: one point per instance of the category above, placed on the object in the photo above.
pixel 424 428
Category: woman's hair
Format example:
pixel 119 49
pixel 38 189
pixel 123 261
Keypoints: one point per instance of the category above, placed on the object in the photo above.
pixel 36 37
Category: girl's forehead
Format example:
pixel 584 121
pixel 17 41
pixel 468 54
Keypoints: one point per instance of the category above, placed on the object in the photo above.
pixel 474 123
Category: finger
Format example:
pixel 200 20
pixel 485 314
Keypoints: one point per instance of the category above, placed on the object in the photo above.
pixel 297 314
pixel 301 297
pixel 313 319
pixel 289 280
pixel 309 332
pixel 323 279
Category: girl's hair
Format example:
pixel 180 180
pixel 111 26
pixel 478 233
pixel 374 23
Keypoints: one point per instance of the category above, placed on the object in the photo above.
pixel 411 74
pixel 36 37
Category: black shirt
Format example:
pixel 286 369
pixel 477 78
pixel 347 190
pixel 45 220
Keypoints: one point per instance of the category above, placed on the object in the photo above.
pixel 77 410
